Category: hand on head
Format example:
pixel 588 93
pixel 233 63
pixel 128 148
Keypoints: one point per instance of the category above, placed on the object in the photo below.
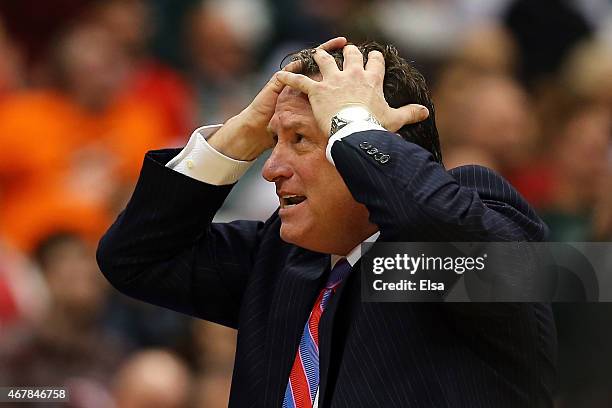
pixel 260 111
pixel 354 84
pixel 247 135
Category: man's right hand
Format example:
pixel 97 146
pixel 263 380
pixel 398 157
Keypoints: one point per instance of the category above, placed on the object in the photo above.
pixel 246 135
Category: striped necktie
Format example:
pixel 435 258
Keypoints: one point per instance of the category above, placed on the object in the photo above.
pixel 304 377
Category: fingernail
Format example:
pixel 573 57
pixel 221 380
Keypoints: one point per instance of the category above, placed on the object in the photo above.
pixel 423 111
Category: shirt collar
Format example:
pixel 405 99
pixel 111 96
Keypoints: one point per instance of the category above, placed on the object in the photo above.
pixel 355 255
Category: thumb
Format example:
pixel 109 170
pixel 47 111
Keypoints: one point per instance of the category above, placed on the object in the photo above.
pixel 406 115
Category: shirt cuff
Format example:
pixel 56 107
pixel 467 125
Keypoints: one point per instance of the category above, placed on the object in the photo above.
pixel 353 127
pixel 200 161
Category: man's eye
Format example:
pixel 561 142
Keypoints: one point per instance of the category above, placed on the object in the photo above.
pixel 299 137
pixel 275 139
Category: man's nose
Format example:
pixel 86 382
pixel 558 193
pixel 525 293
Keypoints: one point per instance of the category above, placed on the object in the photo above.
pixel 277 166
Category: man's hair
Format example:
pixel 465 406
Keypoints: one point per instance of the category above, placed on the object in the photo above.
pixel 403 85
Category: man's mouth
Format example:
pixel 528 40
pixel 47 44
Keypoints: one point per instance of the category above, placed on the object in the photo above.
pixel 291 200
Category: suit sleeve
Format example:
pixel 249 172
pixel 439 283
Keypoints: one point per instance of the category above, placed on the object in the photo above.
pixel 411 197
pixel 164 249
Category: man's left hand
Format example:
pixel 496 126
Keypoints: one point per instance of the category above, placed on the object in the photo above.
pixel 353 85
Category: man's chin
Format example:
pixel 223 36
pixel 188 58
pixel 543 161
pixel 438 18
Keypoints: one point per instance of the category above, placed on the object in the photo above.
pixel 292 234
pixel 298 237
pixel 287 234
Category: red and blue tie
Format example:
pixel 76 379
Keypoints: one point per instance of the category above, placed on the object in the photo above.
pixel 304 377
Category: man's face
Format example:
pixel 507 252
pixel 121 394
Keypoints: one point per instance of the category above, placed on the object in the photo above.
pixel 316 208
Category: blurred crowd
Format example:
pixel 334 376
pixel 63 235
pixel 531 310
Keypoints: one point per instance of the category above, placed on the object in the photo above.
pixel 87 87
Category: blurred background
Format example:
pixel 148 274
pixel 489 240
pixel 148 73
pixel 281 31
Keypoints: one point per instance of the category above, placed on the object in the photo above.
pixel 87 87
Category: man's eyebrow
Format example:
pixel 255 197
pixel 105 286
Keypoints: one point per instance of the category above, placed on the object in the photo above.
pixel 295 125
pixel 298 125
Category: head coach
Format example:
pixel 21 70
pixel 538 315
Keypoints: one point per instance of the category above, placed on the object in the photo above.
pixel 355 158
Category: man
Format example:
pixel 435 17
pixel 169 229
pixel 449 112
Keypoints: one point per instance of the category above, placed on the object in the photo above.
pixel 305 338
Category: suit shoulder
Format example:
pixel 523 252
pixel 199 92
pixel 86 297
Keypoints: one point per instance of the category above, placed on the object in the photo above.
pixel 498 194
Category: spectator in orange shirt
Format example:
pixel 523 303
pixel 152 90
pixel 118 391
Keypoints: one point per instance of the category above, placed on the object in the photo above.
pixel 70 149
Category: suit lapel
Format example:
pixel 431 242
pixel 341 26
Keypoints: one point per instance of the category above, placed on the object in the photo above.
pixel 292 301
pixel 333 327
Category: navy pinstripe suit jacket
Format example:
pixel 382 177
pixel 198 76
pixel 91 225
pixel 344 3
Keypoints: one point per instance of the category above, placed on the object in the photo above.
pixel 165 250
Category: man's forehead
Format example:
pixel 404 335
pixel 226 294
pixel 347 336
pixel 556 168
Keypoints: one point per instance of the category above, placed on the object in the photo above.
pixel 292 109
pixel 289 92
pixel 292 100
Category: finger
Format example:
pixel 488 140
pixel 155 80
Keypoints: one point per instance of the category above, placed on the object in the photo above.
pixel 407 115
pixel 329 45
pixel 327 63
pixel 268 94
pixel 376 64
pixel 353 58
pixel 274 84
pixel 293 66
pixel 333 44
pixel 296 81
